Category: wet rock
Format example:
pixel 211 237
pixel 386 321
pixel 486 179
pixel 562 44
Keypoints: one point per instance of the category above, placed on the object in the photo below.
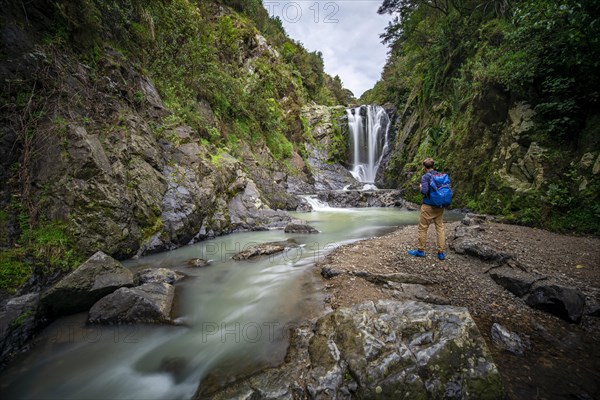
pixel 303 205
pixel 149 303
pixel 327 175
pixel 379 350
pixel 153 245
pixel 509 341
pixel 265 249
pixel 359 198
pixel 515 281
pixel 20 319
pixel 157 275
pixel 328 273
pixel 98 276
pixel 297 186
pixel 299 228
pixel 197 262
pixel 249 213
pixel 180 213
pixel 564 302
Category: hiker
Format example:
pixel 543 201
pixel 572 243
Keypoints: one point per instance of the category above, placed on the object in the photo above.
pixel 429 213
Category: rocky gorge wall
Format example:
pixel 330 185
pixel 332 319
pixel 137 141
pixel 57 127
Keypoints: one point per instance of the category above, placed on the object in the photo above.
pixel 497 161
pixel 505 100
pixel 127 190
pixel 113 146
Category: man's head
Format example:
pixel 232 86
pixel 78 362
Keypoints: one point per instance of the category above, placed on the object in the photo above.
pixel 428 163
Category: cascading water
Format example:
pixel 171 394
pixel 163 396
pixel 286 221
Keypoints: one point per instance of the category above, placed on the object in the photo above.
pixel 316 204
pixel 369 126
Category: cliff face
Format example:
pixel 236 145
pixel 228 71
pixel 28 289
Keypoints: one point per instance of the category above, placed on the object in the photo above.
pixel 505 100
pixel 498 162
pixel 135 127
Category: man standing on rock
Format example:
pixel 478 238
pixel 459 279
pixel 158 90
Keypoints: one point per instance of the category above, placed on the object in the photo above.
pixel 428 214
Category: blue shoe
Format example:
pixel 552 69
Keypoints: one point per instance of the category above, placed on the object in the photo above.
pixel 416 253
pixel 441 256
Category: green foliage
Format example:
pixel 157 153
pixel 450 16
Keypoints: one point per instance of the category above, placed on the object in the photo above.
pixel 46 244
pixel 83 22
pixel 52 244
pixel 13 270
pixel 460 66
pixel 339 147
pixel 208 62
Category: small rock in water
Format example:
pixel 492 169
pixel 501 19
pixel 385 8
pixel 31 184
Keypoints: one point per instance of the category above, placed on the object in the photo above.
pixel 299 228
pixel 157 275
pixel 176 366
pixel 197 262
pixel 508 340
pixel 265 249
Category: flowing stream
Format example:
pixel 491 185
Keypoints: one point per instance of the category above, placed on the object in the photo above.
pixel 233 318
pixel 369 127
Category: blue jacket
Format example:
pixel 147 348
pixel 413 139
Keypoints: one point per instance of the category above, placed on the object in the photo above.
pixel 425 181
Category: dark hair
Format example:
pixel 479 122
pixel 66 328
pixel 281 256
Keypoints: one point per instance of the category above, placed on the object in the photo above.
pixel 428 163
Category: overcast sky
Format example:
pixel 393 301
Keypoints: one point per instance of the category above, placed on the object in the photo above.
pixel 345 31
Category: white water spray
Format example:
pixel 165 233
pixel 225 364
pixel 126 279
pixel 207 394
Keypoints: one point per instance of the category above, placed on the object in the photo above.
pixel 316 204
pixel 369 127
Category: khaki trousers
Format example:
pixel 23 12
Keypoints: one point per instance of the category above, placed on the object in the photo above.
pixel 428 215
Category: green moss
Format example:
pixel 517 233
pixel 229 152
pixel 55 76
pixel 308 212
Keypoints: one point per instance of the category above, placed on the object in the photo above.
pixel 150 231
pixel 217 159
pixel 14 272
pixel 52 243
pixel 20 320
pixel 48 245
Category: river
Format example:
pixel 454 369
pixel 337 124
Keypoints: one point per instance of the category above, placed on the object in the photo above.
pixel 233 318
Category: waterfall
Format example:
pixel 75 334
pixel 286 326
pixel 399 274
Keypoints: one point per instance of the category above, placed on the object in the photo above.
pixel 315 203
pixel 368 141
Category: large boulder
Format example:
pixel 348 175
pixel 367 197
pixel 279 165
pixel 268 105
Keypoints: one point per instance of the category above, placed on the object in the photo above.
pixel 99 276
pixel 564 302
pixel 383 350
pixel 248 212
pixel 150 303
pixel 20 319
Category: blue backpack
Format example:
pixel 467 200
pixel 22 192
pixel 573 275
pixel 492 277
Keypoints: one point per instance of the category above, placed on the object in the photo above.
pixel 440 193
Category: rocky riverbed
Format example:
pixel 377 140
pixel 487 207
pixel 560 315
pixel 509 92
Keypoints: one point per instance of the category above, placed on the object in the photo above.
pixel 551 357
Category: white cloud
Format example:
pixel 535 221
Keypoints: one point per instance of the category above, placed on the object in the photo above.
pixel 345 31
